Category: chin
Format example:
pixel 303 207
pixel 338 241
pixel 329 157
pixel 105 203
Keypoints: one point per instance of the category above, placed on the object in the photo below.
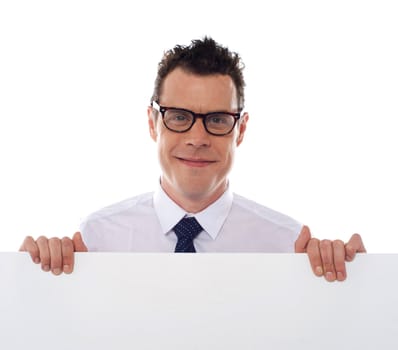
pixel 196 189
pixel 191 188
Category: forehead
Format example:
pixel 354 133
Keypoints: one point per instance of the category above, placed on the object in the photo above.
pixel 200 93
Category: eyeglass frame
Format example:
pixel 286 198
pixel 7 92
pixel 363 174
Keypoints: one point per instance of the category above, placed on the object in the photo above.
pixel 203 116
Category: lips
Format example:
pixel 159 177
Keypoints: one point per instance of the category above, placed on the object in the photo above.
pixel 195 162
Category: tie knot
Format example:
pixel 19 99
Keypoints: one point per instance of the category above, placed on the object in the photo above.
pixel 186 230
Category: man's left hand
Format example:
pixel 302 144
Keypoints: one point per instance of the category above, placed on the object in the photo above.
pixel 328 257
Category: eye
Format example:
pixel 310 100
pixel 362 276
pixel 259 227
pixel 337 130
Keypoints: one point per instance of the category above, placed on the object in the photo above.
pixel 216 120
pixel 177 117
pixel 219 120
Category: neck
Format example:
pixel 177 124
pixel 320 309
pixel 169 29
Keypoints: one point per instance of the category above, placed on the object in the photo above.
pixel 194 202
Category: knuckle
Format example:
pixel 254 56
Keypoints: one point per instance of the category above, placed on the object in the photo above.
pixel 338 243
pixel 42 239
pixel 66 241
pixel 54 244
pixel 314 242
pixel 325 243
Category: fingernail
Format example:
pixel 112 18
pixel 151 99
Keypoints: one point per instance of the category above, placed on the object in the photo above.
pixel 46 268
pixel 319 271
pixel 340 276
pixel 57 271
pixel 329 276
pixel 37 260
pixel 67 269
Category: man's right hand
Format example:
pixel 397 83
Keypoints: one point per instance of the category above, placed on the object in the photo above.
pixel 54 254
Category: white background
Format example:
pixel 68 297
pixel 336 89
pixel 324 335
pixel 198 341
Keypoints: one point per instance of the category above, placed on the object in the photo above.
pixel 322 88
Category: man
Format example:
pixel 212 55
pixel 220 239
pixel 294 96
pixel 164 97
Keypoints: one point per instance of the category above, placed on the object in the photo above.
pixel 196 119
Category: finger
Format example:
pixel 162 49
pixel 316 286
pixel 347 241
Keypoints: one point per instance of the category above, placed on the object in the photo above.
pixel 42 243
pixel 67 254
pixel 339 259
pixel 300 246
pixel 315 256
pixel 55 248
pixel 29 245
pixel 326 249
pixel 78 243
pixel 353 246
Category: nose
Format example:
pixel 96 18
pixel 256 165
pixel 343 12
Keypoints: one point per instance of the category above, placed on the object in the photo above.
pixel 197 136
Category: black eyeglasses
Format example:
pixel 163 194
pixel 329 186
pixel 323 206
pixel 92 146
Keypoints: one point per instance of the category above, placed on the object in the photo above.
pixel 181 120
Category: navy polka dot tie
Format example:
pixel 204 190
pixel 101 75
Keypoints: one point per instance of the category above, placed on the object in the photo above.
pixel 186 230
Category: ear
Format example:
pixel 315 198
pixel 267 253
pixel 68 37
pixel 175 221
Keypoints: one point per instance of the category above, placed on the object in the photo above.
pixel 242 128
pixel 152 123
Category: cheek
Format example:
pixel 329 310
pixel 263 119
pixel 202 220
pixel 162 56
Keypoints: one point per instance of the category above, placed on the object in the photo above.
pixel 227 150
pixel 232 153
pixel 165 143
pixel 162 146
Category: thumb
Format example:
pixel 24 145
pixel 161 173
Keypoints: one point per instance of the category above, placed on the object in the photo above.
pixel 300 246
pixel 78 243
pixel 354 245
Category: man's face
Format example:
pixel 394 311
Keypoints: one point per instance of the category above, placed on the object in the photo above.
pixel 195 164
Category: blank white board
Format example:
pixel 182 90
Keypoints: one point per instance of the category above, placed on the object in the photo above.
pixel 197 301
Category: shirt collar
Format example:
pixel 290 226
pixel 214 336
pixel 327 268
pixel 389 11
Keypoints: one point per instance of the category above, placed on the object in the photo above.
pixel 211 219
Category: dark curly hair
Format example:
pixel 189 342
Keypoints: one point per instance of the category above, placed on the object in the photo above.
pixel 202 57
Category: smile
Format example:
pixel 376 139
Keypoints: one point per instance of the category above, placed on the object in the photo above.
pixel 197 163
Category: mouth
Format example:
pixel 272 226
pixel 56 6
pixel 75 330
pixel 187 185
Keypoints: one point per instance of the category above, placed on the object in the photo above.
pixel 195 162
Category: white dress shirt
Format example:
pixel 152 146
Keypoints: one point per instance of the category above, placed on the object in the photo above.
pixel 231 224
